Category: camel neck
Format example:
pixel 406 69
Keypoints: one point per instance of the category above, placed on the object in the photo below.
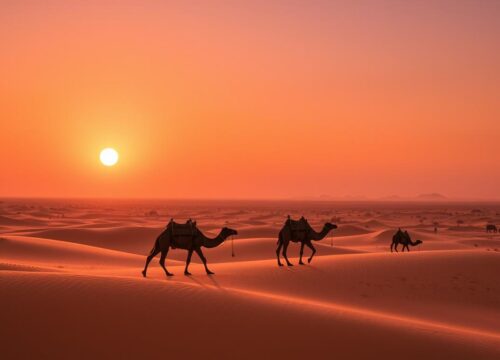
pixel 213 242
pixel 320 235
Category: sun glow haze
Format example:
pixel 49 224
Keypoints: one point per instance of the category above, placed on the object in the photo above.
pixel 250 99
pixel 109 156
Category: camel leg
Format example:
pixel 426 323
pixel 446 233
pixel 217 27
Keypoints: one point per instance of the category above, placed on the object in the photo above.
pixel 396 247
pixel 392 244
pixel 280 245
pixel 153 253
pixel 200 254
pixel 301 253
pixel 188 261
pixel 310 246
pixel 162 262
pixel 407 248
pixel 285 247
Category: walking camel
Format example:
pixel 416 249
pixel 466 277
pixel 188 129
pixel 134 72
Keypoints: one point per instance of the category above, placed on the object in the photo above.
pixel 403 238
pixel 187 237
pixel 491 228
pixel 300 231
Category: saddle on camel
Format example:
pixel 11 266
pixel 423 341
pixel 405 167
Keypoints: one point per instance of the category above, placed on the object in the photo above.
pixel 181 233
pixel 298 228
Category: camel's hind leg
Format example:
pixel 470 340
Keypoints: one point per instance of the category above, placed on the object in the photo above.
pixel 162 262
pixel 301 253
pixel 188 261
pixel 285 247
pixel 153 253
pixel 202 257
pixel 310 246
pixel 392 244
pixel 280 245
pixel 396 247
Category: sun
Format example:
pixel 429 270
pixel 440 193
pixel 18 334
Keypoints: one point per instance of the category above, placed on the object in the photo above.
pixel 109 156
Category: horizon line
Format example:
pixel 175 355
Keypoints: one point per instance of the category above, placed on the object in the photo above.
pixel 414 199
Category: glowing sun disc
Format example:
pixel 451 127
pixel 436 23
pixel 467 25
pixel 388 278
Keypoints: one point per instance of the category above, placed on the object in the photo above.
pixel 109 156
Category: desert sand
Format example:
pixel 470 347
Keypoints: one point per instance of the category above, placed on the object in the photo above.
pixel 71 283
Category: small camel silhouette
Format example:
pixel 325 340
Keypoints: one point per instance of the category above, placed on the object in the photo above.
pixel 403 238
pixel 188 237
pixel 300 231
pixel 491 228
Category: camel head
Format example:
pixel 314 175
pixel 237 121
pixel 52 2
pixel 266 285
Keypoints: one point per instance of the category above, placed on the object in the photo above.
pixel 227 232
pixel 330 226
pixel 418 242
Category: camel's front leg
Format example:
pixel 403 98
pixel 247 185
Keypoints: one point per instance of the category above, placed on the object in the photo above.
pixel 301 253
pixel 188 261
pixel 310 246
pixel 396 247
pixel 200 254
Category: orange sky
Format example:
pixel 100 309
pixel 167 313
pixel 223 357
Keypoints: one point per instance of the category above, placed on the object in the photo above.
pixel 250 99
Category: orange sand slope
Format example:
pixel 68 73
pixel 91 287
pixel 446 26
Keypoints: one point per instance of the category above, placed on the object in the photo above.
pixel 68 293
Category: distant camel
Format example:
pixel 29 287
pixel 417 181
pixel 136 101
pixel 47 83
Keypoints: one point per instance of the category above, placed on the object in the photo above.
pixel 491 228
pixel 403 238
pixel 300 231
pixel 188 237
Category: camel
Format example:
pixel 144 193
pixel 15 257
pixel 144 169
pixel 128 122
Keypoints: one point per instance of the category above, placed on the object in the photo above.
pixel 491 228
pixel 300 231
pixel 187 237
pixel 403 238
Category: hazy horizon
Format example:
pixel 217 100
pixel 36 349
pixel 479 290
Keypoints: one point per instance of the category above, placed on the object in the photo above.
pixel 320 198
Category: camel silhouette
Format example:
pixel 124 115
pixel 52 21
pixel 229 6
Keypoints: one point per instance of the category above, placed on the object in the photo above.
pixel 404 239
pixel 187 237
pixel 300 231
pixel 491 228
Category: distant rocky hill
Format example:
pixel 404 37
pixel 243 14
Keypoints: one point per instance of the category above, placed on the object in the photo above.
pixel 431 196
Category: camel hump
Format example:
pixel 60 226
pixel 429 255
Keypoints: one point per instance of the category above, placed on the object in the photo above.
pixel 298 225
pixel 188 228
pixel 400 234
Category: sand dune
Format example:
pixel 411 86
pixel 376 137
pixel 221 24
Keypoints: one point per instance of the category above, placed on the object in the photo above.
pixel 368 280
pixel 9 221
pixel 136 240
pixel 348 230
pixel 259 231
pixel 226 323
pixel 18 267
pixel 75 283
pixel 29 250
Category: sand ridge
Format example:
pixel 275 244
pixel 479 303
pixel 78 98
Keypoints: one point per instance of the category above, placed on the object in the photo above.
pixel 441 299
